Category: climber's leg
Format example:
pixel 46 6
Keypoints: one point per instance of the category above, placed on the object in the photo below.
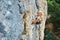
pixel 36 26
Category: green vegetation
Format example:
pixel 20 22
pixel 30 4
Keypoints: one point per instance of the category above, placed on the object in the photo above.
pixel 54 11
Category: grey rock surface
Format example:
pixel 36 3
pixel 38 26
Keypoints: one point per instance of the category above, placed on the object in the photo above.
pixel 10 20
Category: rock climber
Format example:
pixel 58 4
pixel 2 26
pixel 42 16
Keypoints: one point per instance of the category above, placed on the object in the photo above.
pixel 37 20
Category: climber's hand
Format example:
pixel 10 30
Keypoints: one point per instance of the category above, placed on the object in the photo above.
pixel 33 22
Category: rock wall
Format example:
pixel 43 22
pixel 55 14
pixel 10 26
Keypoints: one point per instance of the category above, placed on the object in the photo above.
pixel 13 15
pixel 31 8
pixel 10 20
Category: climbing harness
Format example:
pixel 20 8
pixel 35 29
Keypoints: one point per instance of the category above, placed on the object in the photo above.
pixel 37 22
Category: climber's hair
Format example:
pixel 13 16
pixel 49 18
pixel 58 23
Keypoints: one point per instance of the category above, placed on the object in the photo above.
pixel 39 12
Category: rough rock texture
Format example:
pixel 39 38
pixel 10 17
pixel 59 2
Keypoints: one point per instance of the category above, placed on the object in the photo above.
pixel 13 15
pixel 30 8
pixel 10 20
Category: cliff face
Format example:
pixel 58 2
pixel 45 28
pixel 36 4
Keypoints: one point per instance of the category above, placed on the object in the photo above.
pixel 10 20
pixel 30 8
pixel 17 15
